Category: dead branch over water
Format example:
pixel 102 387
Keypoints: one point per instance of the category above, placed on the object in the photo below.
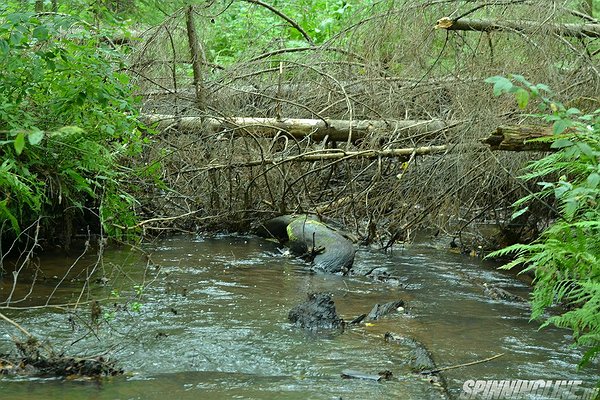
pixel 381 127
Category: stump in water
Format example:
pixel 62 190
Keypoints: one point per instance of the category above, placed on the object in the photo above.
pixel 380 310
pixel 317 313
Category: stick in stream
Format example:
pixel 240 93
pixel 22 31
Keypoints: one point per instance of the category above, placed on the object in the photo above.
pixel 435 371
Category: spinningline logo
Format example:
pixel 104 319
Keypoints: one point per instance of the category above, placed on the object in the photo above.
pixel 527 389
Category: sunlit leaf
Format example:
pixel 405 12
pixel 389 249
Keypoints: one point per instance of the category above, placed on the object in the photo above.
pixel 35 137
pixel 19 142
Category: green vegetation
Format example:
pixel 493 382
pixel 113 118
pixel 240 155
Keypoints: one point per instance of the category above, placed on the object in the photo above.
pixel 566 258
pixel 66 119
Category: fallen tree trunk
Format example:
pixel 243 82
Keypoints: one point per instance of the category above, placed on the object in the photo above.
pixel 317 129
pixel 518 138
pixel 484 25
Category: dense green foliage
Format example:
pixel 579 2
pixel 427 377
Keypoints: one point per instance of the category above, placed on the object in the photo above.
pixel 66 116
pixel 566 258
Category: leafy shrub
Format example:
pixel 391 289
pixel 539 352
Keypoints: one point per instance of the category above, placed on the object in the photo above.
pixel 566 258
pixel 66 119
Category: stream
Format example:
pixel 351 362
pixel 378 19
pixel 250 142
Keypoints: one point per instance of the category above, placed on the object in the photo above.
pixel 206 318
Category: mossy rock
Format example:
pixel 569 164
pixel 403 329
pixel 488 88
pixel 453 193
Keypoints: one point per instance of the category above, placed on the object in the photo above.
pixel 333 252
pixel 305 235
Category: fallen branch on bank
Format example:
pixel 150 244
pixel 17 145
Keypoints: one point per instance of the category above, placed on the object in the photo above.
pixel 485 25
pixel 316 129
pixel 518 138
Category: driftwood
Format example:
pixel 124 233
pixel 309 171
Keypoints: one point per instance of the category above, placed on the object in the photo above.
pixel 317 129
pixel 485 25
pixel 518 138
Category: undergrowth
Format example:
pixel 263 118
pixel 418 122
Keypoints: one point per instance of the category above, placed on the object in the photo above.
pixel 66 120
pixel 566 258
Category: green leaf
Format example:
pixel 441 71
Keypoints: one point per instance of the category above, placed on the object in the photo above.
pixel 35 137
pixel 40 32
pixel 561 125
pixel 561 143
pixel 501 84
pixel 520 78
pixel 19 142
pixel 517 214
pixel 4 48
pixel 586 149
pixel 593 180
pixel 522 97
pixel 16 38
pixel 543 87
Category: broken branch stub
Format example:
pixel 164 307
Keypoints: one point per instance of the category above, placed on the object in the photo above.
pixel 518 138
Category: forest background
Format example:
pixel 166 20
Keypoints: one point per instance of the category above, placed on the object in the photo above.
pixel 121 119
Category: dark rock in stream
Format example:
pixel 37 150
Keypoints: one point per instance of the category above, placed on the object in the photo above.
pixel 317 313
pixel 380 310
pixel 497 293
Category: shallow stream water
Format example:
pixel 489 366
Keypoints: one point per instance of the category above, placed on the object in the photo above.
pixel 211 323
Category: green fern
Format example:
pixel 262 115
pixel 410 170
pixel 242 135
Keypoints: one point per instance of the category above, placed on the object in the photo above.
pixel 566 257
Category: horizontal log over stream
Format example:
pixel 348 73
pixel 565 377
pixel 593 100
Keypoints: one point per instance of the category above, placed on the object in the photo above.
pixel 317 129
pixel 485 25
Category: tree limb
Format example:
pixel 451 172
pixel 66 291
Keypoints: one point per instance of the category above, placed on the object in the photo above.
pixel 485 25
pixel 285 17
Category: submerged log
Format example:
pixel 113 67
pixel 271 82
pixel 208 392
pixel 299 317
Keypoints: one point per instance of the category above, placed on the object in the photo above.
pixel 518 138
pixel 317 129
pixel 486 25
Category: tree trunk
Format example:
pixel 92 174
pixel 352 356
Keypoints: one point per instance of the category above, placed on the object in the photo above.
pixel 317 129
pixel 39 6
pixel 196 54
pixel 483 25
pixel 516 137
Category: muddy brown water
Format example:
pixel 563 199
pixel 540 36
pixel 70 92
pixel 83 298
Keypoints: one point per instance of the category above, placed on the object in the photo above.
pixel 212 324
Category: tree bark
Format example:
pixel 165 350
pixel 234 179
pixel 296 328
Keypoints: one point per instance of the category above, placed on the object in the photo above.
pixel 516 137
pixel 196 54
pixel 317 129
pixel 484 25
